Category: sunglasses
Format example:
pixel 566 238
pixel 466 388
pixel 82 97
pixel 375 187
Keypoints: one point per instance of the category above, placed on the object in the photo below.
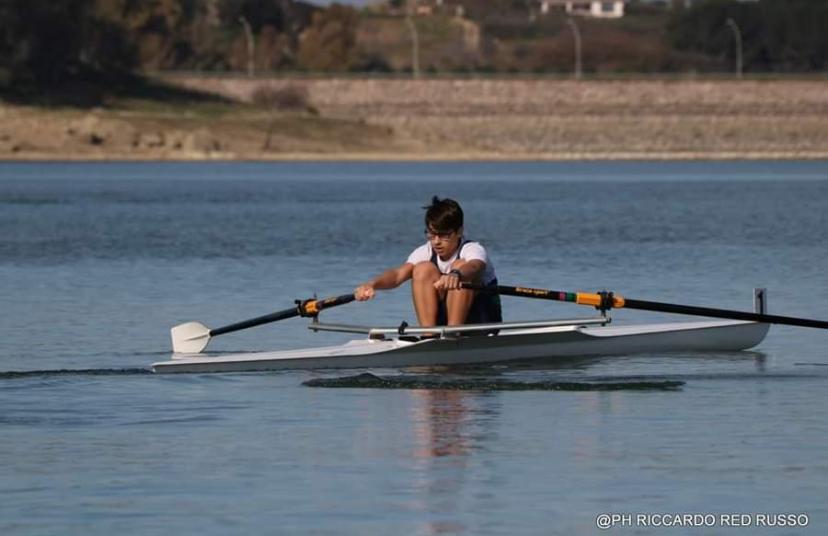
pixel 431 235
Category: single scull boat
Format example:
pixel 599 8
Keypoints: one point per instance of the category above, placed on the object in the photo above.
pixel 465 345
pixel 404 346
pixel 483 343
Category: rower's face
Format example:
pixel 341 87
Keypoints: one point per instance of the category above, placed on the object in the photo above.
pixel 444 243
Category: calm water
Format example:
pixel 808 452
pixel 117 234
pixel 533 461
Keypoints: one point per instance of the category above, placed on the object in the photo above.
pixel 98 261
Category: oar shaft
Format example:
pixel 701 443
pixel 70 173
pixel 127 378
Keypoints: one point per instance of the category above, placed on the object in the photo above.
pixel 582 298
pixel 628 303
pixel 305 308
pixel 723 313
pixel 258 321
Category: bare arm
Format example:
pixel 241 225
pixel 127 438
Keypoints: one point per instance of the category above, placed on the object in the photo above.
pixel 391 278
pixel 470 271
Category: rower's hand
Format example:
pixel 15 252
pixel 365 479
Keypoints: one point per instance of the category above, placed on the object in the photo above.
pixel 448 282
pixel 364 292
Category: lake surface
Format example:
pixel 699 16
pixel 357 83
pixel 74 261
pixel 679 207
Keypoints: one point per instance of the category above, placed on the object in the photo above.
pixel 98 261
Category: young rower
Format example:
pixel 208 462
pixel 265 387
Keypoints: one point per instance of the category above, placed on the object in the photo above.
pixel 436 270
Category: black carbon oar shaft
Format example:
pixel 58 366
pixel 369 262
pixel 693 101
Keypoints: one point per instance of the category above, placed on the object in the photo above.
pixel 258 321
pixel 723 313
pixel 609 300
pixel 303 308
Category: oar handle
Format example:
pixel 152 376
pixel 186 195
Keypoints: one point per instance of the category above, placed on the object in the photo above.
pixel 310 307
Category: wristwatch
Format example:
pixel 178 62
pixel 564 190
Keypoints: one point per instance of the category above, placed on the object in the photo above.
pixel 456 272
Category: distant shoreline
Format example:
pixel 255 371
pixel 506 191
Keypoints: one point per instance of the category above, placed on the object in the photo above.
pixel 314 157
pixel 350 119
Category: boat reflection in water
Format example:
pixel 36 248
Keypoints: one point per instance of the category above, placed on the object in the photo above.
pixel 443 421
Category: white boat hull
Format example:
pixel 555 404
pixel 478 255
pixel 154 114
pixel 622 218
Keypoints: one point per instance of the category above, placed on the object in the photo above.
pixel 521 344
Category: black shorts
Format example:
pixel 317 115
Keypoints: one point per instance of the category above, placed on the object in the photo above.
pixel 485 309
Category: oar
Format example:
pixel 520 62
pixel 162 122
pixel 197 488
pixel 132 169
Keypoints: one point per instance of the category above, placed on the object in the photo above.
pixel 608 300
pixel 193 337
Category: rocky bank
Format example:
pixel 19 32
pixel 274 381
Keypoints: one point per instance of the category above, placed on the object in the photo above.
pixel 443 119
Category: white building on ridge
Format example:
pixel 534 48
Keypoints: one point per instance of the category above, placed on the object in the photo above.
pixel 612 9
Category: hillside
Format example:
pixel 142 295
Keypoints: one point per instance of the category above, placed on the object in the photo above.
pixel 440 119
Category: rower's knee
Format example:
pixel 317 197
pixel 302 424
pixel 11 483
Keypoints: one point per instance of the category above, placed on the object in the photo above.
pixel 425 271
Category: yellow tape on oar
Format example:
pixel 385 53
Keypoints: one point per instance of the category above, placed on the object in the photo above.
pixel 599 300
pixel 310 308
pixel 313 306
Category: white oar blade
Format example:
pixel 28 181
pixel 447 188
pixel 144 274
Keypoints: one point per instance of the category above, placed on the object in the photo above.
pixel 190 338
